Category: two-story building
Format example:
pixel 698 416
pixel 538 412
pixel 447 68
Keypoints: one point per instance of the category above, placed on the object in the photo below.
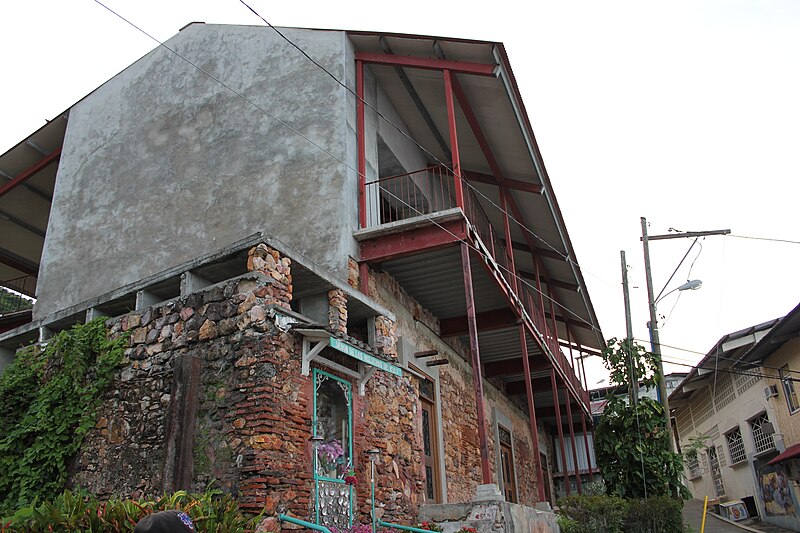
pixel 313 261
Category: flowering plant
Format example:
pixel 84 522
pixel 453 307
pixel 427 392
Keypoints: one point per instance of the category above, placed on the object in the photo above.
pixel 467 530
pixel 329 453
pixel 430 526
pixel 350 478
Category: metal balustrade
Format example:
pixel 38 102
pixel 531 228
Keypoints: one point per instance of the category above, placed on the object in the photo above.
pixel 431 190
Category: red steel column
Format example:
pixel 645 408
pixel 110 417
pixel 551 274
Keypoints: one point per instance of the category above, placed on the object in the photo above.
pixel 526 366
pixel 586 442
pixel 574 447
pixel 451 122
pixel 507 234
pixel 560 429
pixel 477 378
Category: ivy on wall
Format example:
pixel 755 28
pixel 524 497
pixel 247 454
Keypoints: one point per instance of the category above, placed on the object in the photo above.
pixel 48 402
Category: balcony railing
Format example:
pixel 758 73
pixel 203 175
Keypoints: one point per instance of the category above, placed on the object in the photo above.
pixel 11 302
pixel 431 190
pixel 404 196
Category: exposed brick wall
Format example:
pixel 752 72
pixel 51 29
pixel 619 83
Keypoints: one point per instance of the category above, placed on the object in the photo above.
pixel 457 396
pixel 248 425
pixel 337 311
pixel 385 419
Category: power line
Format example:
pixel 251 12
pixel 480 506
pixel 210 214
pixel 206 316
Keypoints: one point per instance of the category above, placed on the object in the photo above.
pixel 328 153
pixel 407 136
pixel 765 239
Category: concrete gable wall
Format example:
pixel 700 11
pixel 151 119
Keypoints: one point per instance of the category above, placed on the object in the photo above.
pixel 162 164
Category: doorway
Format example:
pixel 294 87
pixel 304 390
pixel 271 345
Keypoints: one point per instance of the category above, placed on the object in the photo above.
pixel 430 441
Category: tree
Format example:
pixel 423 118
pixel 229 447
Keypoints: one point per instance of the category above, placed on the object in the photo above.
pixel 632 443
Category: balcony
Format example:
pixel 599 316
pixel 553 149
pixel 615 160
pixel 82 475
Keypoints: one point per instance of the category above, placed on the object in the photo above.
pixel 414 228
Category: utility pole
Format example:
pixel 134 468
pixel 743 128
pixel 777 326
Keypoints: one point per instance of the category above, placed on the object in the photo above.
pixel 653 324
pixel 633 382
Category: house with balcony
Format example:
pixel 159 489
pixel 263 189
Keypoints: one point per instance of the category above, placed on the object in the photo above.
pixel 738 402
pixel 311 264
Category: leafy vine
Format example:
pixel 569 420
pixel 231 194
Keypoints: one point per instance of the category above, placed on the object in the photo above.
pixel 48 402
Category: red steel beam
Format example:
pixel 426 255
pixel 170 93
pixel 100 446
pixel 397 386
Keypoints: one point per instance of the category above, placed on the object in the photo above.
pixel 397 245
pixel 475 358
pixel 557 408
pixel 451 122
pixel 488 154
pixel 513 367
pixel 462 67
pixel 487 321
pixel 31 171
pixel 517 185
pixel 523 343
pixel 586 443
pixel 574 447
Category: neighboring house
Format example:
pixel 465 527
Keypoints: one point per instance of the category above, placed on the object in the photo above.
pixel 778 353
pixel 300 270
pixel 730 402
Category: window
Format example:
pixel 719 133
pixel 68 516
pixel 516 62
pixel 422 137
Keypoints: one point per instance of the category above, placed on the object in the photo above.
pixel 716 473
pixel 507 464
pixel 332 423
pixel 736 446
pixel 694 466
pixel 762 440
pixel 789 390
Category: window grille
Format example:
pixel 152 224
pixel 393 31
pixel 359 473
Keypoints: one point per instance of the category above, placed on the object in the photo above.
pixel 763 442
pixel 736 446
pixel 724 393
pixel 683 419
pixel 789 390
pixel 701 406
pixel 746 379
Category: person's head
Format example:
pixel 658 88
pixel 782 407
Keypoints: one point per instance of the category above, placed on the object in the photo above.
pixel 165 522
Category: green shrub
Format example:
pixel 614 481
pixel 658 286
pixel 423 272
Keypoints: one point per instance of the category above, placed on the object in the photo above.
pixel 80 512
pixel 655 515
pixel 594 514
pixel 612 514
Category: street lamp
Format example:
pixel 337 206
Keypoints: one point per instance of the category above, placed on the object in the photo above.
pixel 373 458
pixel 653 324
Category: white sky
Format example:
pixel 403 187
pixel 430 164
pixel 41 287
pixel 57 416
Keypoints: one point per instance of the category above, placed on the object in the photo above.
pixel 686 113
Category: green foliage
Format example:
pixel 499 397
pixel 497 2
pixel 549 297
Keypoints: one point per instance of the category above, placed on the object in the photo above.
pixel 612 514
pixel 617 361
pixel 48 402
pixel 10 302
pixel 593 514
pixel 80 512
pixel 632 444
pixel 696 444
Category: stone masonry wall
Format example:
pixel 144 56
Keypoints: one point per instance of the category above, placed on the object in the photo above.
pixel 211 390
pixel 457 397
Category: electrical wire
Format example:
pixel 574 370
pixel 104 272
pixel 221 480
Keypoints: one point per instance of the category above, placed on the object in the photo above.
pixel 345 164
pixel 414 141
pixel 765 239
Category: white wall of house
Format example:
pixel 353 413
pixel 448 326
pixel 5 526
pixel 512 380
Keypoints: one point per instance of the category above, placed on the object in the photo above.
pixel 726 404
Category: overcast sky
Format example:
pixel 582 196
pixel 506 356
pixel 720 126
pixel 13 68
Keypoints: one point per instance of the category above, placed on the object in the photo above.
pixel 686 113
